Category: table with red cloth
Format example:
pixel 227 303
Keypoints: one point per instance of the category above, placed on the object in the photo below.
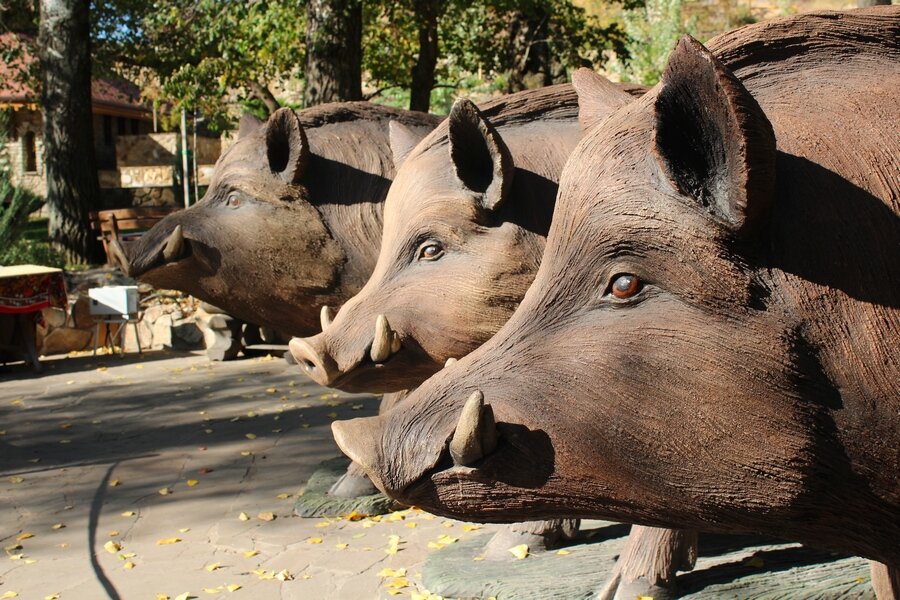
pixel 25 290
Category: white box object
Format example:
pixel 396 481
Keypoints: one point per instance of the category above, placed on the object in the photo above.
pixel 114 300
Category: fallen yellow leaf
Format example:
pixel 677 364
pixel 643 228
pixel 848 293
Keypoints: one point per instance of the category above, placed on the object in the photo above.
pixel 129 565
pixel 184 530
pixel 232 587
pixel 167 541
pixel 265 516
pixel 24 536
pixel 520 551
pixel 57 526
pixel 192 482
pixel 341 546
pixel 244 516
pixel 16 479
pixel 183 596
pixel 271 390
pixel 284 575
pixel 397 583
pixel 412 524
pixel 9 594
pixel 389 572
pixel 471 527
pixel 213 567
pixel 51 597
pixel 165 491
pixel 112 547
pixel 128 513
pixel 113 533
pixel 314 540
pixel 283 496
pixel 563 552
pixel 212 590
pixel 250 436
pixel 162 597
pixel 251 553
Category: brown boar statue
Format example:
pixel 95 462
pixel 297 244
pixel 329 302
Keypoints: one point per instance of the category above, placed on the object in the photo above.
pixel 291 220
pixel 710 341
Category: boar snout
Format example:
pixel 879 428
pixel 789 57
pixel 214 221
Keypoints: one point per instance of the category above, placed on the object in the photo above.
pixel 322 365
pixel 313 357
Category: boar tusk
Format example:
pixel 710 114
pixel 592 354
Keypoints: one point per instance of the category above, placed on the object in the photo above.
pixel 449 362
pixel 325 317
pixel 395 343
pixel 476 433
pixel 174 245
pixel 383 340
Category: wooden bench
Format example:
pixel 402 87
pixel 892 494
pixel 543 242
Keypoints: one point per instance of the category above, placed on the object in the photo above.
pixel 126 225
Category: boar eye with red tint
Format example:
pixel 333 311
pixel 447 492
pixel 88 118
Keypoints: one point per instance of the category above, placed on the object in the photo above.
pixel 233 201
pixel 625 286
pixel 430 251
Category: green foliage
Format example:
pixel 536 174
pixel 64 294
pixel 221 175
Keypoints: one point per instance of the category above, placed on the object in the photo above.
pixel 652 31
pixel 200 54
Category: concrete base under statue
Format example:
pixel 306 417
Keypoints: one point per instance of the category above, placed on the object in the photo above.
pixel 728 567
pixel 316 502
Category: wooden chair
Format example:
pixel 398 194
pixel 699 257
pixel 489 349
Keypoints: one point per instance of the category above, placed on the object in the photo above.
pixel 126 225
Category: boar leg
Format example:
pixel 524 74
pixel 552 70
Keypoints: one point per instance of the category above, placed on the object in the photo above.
pixel 537 535
pixel 355 483
pixel 648 563
pixel 885 580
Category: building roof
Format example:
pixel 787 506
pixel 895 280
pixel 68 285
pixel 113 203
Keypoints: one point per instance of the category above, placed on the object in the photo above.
pixel 109 95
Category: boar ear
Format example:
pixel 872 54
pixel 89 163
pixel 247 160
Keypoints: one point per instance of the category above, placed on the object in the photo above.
pixel 480 159
pixel 712 138
pixel 287 148
pixel 403 140
pixel 598 97
pixel 248 124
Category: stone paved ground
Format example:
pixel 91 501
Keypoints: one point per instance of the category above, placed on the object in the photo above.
pixel 105 459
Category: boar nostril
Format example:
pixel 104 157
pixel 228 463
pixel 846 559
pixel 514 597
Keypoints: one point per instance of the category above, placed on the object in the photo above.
pixel 307 365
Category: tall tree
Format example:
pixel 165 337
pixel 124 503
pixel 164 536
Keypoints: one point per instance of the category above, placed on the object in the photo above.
pixel 333 51
pixel 422 81
pixel 64 49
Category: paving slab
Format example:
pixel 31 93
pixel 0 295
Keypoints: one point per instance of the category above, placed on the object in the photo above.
pixel 162 474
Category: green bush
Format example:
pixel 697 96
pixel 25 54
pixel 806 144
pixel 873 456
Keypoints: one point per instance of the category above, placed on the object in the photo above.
pixel 652 31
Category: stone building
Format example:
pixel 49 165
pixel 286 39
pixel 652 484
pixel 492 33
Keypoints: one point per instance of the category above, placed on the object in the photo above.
pixel 137 165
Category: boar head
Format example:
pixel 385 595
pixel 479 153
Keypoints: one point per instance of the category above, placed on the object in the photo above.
pixel 465 223
pixel 656 371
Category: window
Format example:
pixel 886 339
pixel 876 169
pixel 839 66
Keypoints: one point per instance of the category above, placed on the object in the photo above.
pixel 135 127
pixel 122 123
pixel 107 130
pixel 30 151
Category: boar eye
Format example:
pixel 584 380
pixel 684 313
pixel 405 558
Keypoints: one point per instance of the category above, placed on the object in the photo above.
pixel 233 201
pixel 430 251
pixel 625 286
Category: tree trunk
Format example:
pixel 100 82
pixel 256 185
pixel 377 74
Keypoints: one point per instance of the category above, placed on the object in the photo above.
pixel 427 13
pixel 69 164
pixel 265 95
pixel 333 51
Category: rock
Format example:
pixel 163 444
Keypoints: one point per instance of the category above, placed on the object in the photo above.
pixel 63 340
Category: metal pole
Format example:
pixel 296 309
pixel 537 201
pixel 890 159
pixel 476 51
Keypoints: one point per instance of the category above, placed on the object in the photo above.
pixel 185 173
pixel 196 174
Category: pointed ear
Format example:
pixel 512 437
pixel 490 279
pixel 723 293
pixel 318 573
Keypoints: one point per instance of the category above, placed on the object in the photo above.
pixel 713 140
pixel 480 159
pixel 598 97
pixel 287 148
pixel 403 140
pixel 248 124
